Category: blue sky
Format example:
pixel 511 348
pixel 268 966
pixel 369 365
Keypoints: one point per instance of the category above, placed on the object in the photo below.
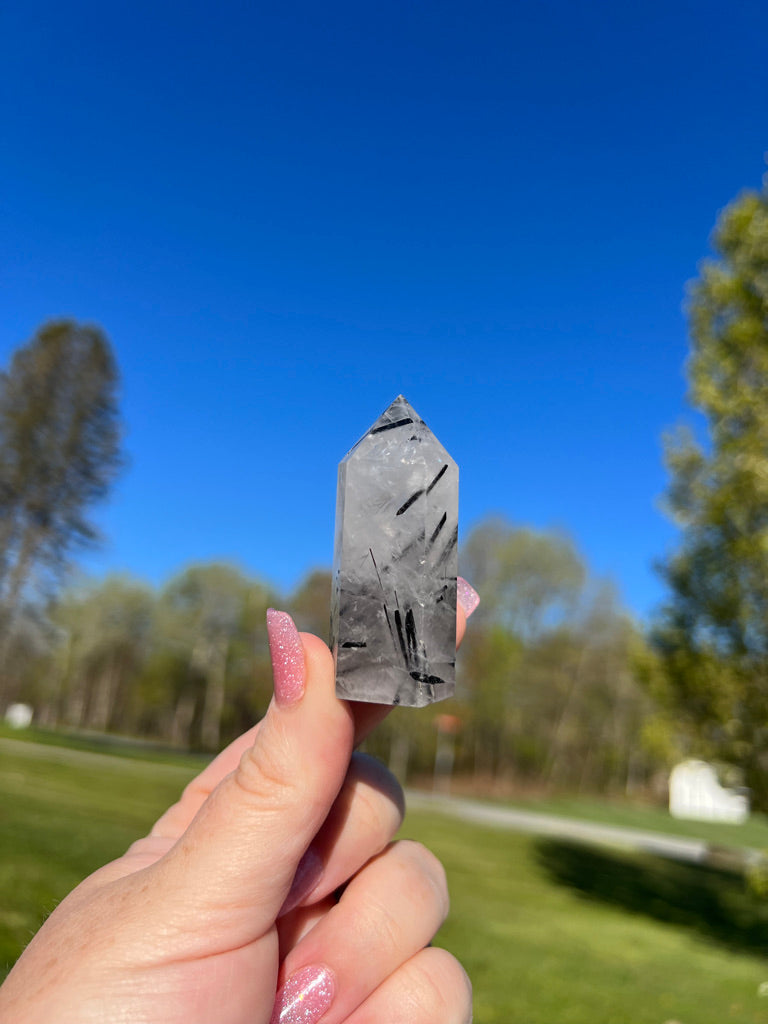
pixel 283 216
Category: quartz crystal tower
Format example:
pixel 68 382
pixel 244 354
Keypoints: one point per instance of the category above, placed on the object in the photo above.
pixel 393 608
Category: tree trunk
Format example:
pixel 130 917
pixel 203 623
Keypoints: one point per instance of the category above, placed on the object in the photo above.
pixel 399 756
pixel 551 771
pixel 9 602
pixel 215 682
pixel 51 709
pixel 6 543
pixel 181 724
pixel 106 688
pixel 444 757
pixel 482 757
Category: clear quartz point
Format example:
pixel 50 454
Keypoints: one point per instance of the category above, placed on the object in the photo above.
pixel 393 606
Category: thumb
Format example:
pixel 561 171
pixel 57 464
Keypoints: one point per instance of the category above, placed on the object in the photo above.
pixel 234 864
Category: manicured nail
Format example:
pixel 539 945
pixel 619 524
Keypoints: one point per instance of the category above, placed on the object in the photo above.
pixel 307 876
pixel 288 670
pixel 304 998
pixel 466 595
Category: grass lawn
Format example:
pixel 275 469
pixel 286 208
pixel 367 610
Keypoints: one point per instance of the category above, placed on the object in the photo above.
pixel 546 944
pixel 104 743
pixel 64 813
pixel 550 933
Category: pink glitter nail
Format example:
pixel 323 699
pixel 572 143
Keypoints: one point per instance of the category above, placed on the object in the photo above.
pixel 466 595
pixel 305 997
pixel 288 670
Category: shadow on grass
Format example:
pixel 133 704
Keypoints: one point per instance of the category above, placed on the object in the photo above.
pixel 716 904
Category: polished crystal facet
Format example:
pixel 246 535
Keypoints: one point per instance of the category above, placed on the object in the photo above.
pixel 393 611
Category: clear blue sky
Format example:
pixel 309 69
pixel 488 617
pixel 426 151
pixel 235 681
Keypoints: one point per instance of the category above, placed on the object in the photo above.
pixel 284 215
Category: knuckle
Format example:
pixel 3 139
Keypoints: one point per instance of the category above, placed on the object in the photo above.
pixel 262 773
pixel 428 882
pixel 388 930
pixel 377 923
pixel 371 775
pixel 191 791
pixel 377 814
pixel 438 989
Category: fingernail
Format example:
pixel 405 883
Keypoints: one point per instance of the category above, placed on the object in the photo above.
pixel 304 998
pixel 308 873
pixel 287 655
pixel 466 595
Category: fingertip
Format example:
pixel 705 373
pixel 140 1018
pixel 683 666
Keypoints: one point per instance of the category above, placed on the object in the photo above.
pixel 461 624
pixel 317 650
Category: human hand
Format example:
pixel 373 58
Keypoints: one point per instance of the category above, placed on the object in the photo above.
pixel 231 894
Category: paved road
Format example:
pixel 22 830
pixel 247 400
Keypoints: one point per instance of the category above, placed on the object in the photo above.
pixel 696 851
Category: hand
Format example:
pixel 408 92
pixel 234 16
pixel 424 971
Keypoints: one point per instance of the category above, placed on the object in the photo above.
pixel 230 897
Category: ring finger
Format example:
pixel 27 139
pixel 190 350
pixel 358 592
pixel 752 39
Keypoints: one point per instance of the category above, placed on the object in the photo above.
pixel 387 913
pixel 431 988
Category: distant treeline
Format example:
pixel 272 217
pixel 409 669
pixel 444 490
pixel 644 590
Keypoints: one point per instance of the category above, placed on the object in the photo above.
pixel 548 688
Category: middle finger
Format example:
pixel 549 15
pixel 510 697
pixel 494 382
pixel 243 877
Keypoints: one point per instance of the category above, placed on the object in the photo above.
pixel 363 819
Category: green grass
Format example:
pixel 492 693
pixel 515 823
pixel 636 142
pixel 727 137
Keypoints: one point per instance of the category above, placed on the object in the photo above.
pixel 107 743
pixel 63 813
pixel 542 947
pixel 550 933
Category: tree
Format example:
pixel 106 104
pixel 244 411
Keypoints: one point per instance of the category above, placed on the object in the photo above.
pixel 713 633
pixel 310 603
pixel 59 452
pixel 213 611
pixel 529 580
pixel 595 706
pixel 104 633
pixel 531 583
pixel 550 695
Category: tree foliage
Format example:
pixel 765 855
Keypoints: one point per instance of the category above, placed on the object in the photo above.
pixel 552 701
pixel 59 452
pixel 713 635
pixel 547 694
pixel 217 614
pixel 102 636
pixel 529 580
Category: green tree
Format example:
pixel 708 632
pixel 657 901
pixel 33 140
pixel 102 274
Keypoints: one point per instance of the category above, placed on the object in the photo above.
pixel 59 452
pixel 713 635
pixel 592 727
pixel 529 579
pixel 217 615
pixel 28 654
pixel 531 584
pixel 104 631
pixel 310 603
pixel 549 695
